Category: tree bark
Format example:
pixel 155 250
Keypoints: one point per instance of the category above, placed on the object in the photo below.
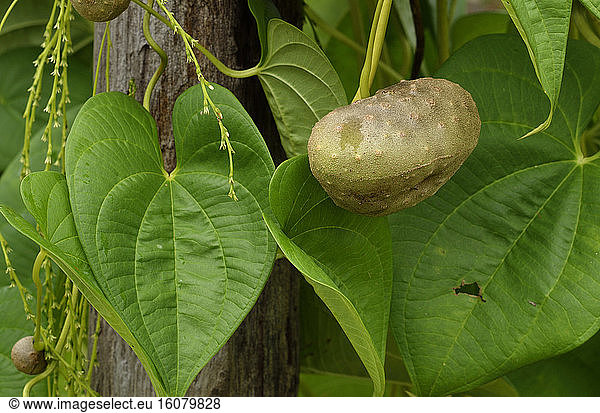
pixel 261 358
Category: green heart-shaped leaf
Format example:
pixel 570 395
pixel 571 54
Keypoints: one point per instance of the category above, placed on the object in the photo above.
pixel 300 84
pixel 178 260
pixel 46 197
pixel 520 218
pixel 345 257
pixel 263 11
pixel 544 27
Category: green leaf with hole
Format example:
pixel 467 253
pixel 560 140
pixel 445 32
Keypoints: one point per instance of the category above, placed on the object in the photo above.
pixel 330 366
pixel 177 261
pixel 544 27
pixel 521 218
pixel 345 257
pixel 300 84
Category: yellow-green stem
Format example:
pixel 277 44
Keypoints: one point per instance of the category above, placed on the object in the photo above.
pixel 364 87
pixel 60 344
pixel 212 58
pixel 336 34
pixel 443 34
pixel 159 51
pixel 38 378
pixel 94 349
pixel 8 11
pixel 379 38
pixel 107 63
pixel 38 344
pixel 100 59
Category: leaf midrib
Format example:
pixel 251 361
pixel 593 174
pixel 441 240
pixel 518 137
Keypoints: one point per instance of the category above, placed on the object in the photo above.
pixel 560 274
pixel 175 280
pixel 290 86
pixel 224 266
pixel 491 277
pixel 135 267
pixel 408 357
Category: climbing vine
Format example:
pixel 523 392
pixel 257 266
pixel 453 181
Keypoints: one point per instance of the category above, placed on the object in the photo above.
pixel 416 209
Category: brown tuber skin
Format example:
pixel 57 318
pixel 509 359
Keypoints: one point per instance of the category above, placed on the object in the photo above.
pixel 26 358
pixel 100 10
pixel 391 151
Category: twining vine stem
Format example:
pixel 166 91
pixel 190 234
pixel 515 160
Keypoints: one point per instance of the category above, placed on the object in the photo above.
pixel 189 42
pixel 163 58
pixel 443 34
pixel 38 344
pixel 29 385
pixel 336 34
pixel 54 363
pixel 187 38
pixel 374 47
pixel 107 60
pixel 8 11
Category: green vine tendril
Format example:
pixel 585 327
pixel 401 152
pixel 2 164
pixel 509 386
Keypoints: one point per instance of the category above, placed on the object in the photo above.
pixel 163 58
pixel 341 37
pixel 38 344
pixel 107 62
pixel 189 43
pixel 7 13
